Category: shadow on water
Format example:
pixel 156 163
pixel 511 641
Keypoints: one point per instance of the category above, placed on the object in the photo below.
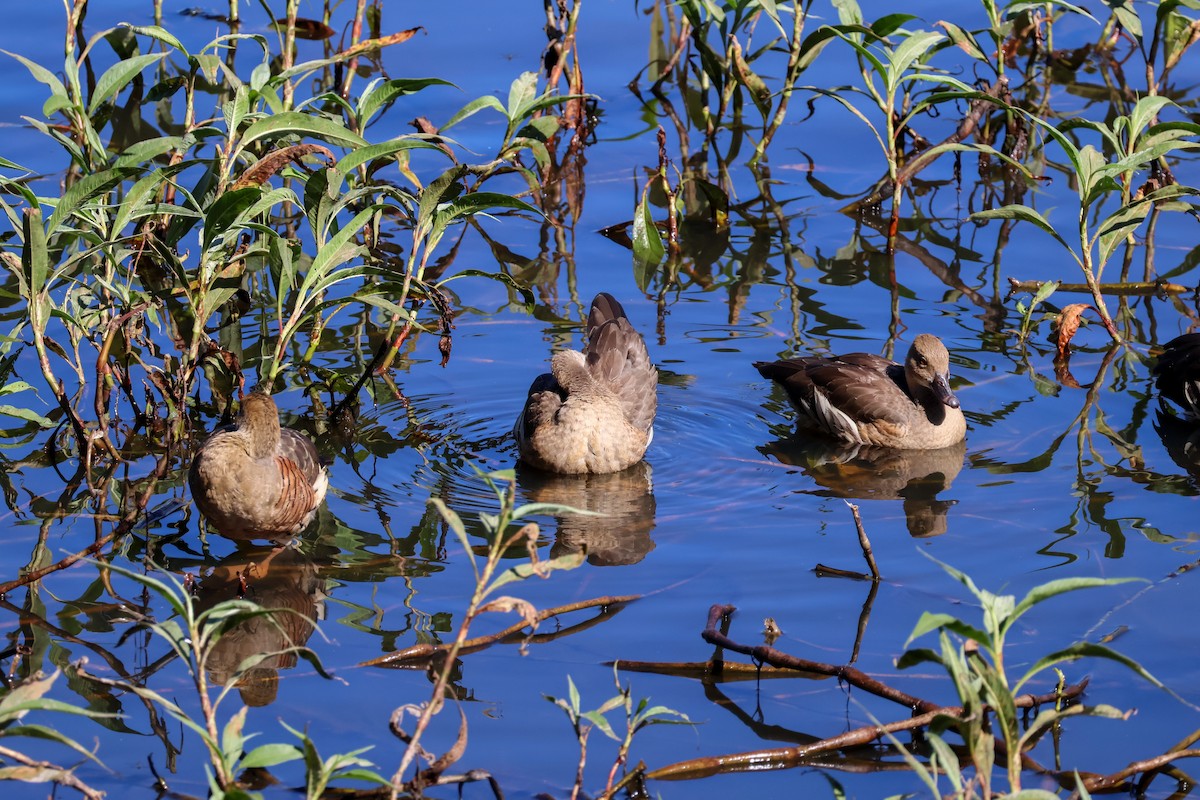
pixel 918 477
pixel 281 577
pixel 617 531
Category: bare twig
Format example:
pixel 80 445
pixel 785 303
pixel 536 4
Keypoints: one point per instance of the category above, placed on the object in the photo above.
pixel 864 542
pixel 421 653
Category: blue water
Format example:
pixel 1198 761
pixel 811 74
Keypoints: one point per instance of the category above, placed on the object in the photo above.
pixel 719 515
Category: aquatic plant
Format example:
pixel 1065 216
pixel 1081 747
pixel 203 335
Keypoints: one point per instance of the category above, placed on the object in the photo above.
pixel 636 720
pixel 193 635
pixel 974 658
pixel 1137 143
pixel 16 703
pixel 501 541
pixel 186 232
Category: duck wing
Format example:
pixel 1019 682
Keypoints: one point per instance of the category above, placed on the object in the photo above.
pixel 616 357
pixel 862 386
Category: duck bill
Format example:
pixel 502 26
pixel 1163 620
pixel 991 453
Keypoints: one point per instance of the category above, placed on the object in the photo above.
pixel 941 390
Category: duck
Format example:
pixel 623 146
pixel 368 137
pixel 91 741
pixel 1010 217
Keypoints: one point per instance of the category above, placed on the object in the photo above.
pixel 865 399
pixel 256 479
pixel 593 412
pixel 1177 372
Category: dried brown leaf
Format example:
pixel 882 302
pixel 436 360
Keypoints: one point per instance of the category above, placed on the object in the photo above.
pixel 383 41
pixel 1068 323
pixel 271 163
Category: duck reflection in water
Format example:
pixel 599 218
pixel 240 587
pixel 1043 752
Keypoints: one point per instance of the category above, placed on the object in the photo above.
pixel 1177 378
pixel 274 578
pixel 624 500
pixel 879 473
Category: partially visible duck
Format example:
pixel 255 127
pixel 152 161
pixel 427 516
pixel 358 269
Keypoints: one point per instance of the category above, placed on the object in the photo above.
pixel 255 479
pixel 594 411
pixel 865 399
pixel 1178 371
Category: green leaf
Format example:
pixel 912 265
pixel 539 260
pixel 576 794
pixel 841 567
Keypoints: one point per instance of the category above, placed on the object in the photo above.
pixel 363 155
pixel 380 94
pixel 160 34
pixel 1089 650
pixel 297 123
pixel 27 414
pixel 269 755
pixel 914 47
pixel 43 75
pixel 1119 225
pixel 118 76
pixel 648 248
pixel 35 266
pixel 1054 588
pixel 450 516
pixel 226 214
pixel 87 188
pixel 473 107
pixel 523 571
pixel 1023 213
pixel 521 92
pixel 931 622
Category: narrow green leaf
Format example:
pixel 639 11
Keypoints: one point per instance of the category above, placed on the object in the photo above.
pixel 160 34
pixel 1054 588
pixel 914 47
pixel 473 107
pixel 269 755
pixel 648 245
pixel 43 75
pixel 226 214
pixel 380 94
pixel 1023 213
pixel 118 76
pixel 363 155
pixel 296 123
pixel 27 414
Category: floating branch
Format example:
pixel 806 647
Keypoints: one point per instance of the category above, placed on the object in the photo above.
pixel 421 653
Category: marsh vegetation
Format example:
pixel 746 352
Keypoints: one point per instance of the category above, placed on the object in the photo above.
pixel 391 217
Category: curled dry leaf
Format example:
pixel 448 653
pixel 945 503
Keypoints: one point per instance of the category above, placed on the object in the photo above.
pixel 271 163
pixel 1068 323
pixel 383 41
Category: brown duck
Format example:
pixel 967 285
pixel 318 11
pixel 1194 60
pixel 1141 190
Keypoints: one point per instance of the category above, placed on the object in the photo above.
pixel 865 399
pixel 1178 373
pixel 256 480
pixel 594 411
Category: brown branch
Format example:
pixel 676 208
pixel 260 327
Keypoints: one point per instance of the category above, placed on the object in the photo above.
pixel 769 655
pixel 1139 288
pixel 424 652
pixel 864 542
pixel 783 757
pixel 1116 781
